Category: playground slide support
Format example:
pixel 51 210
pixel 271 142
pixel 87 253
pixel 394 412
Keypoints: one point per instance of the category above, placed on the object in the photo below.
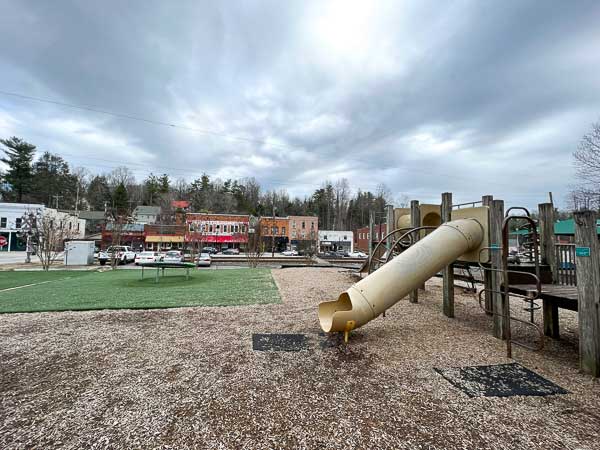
pixel 379 291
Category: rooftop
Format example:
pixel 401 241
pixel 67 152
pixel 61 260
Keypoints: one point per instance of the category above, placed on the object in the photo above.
pixel 146 210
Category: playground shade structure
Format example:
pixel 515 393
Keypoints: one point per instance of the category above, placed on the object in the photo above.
pixel 379 291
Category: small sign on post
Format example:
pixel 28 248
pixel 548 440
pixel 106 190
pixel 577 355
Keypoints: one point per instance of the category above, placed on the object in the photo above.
pixel 582 251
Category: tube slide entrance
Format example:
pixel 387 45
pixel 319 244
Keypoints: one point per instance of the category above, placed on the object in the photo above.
pixel 374 294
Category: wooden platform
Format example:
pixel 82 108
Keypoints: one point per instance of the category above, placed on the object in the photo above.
pixel 562 296
pixel 554 296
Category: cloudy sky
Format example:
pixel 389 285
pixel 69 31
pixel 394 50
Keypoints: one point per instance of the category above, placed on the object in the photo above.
pixel 468 96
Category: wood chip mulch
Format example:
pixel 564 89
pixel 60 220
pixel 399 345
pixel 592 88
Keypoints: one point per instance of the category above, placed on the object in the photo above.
pixel 188 378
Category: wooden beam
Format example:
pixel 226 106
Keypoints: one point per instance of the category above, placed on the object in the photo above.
pixel 486 200
pixel 448 271
pixel 415 221
pixel 587 260
pixel 548 256
pixel 495 226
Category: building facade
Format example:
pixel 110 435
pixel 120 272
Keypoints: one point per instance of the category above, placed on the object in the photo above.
pixel 274 232
pixel 146 214
pixel 130 234
pixel 362 236
pixel 303 228
pixel 11 221
pixel 336 241
pixel 217 230
pixel 159 237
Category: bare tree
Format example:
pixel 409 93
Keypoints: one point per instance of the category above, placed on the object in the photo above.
pixel 308 247
pixel 117 219
pixel 120 175
pixel 255 246
pixel 341 191
pixel 587 165
pixel 47 232
pixel 197 237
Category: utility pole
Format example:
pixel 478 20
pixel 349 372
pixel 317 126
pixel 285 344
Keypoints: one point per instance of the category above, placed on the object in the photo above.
pixel 77 199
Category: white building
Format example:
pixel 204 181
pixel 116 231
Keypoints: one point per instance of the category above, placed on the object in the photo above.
pixel 336 241
pixel 11 217
pixel 146 214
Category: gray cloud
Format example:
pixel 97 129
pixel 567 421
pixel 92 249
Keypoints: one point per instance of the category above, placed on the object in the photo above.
pixel 476 98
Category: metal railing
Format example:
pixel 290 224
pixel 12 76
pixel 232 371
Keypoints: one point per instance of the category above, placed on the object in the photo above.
pixel 565 264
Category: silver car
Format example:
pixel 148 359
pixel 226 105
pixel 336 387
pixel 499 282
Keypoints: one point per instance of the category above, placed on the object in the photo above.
pixel 173 256
pixel 203 260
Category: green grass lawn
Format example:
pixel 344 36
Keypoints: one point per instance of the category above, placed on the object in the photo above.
pixel 71 290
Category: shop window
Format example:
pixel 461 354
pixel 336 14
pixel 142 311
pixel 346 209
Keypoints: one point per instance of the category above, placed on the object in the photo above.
pixel 293 224
pixel 224 228
pixel 282 230
pixel 303 225
pixel 18 222
pixel 2 222
pixel 345 237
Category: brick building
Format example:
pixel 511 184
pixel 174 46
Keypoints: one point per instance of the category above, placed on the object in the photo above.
pixel 303 228
pixel 159 237
pixel 217 230
pixel 275 231
pixel 131 234
pixel 361 236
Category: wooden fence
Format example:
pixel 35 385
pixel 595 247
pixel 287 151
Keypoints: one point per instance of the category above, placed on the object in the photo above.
pixel 565 262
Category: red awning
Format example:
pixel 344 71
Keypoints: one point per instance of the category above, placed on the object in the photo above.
pixel 225 238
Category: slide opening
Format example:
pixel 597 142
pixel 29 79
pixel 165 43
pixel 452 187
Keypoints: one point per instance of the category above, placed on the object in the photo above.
pixel 328 309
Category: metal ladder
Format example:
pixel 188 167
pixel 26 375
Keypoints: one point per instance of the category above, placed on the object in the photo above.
pixel 504 291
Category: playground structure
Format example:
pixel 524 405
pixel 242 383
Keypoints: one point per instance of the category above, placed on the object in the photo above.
pixel 427 239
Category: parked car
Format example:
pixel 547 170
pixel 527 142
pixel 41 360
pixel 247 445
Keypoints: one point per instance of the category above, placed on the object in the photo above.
pixel 290 253
pixel 146 257
pixel 203 260
pixel 210 250
pixel 122 253
pixel 357 255
pixel 231 251
pixel 173 256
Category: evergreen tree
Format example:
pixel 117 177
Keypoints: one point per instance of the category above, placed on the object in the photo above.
pixel 52 176
pixel 121 200
pixel 19 155
pixel 98 193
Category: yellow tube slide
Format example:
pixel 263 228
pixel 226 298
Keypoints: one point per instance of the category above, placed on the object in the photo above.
pixel 379 291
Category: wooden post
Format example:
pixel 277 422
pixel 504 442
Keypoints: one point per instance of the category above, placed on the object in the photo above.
pixel 587 260
pixel 448 271
pixel 548 256
pixel 496 218
pixel 415 221
pixel 389 225
pixel 486 200
pixel 371 229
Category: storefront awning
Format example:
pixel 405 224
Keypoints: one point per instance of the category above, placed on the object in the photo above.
pixel 164 238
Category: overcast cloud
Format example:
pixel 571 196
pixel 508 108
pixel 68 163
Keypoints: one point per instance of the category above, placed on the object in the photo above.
pixel 470 97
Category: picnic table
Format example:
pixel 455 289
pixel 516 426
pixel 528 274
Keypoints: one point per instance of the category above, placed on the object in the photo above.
pixel 168 265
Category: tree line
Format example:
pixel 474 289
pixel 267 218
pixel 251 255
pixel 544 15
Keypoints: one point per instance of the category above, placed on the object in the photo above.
pixel 48 179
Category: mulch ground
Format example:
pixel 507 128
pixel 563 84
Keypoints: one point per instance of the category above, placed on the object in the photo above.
pixel 189 378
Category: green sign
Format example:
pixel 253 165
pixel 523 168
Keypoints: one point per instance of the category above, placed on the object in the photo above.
pixel 582 251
